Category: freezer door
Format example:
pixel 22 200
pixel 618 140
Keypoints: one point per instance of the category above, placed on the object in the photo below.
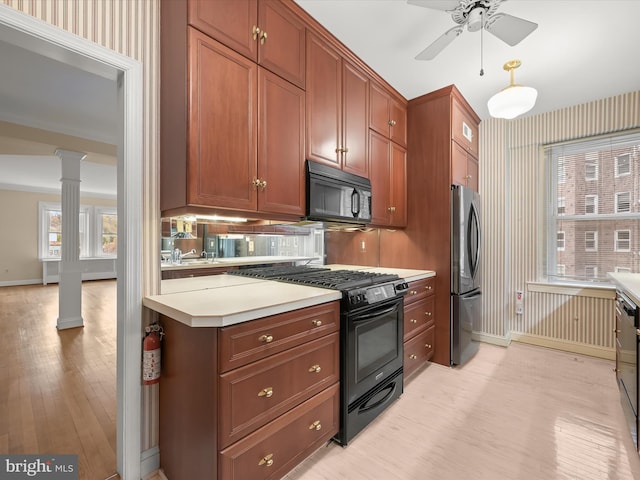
pixel 466 311
pixel 465 240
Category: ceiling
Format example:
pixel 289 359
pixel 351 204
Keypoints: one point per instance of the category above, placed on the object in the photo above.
pixel 581 51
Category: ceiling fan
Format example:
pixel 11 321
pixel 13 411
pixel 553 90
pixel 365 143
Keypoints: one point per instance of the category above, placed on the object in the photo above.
pixel 476 15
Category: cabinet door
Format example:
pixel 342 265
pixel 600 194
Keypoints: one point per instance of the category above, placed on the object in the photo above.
pixel 222 127
pixel 398 133
pixel 355 119
pixel 323 94
pixel 380 178
pixel 281 145
pixel 472 173
pixel 398 186
pixel 379 108
pixel 281 43
pixel 458 164
pixel 231 22
pixel 464 129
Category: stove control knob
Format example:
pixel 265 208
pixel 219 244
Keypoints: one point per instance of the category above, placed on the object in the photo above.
pixel 353 299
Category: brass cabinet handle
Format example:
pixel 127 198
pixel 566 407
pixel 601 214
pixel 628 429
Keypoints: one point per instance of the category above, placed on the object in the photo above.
pixel 315 425
pixel 316 323
pixel 428 314
pixel 266 392
pixel 392 123
pixel 315 369
pixel 263 184
pixel 263 37
pixel 267 461
pixel 427 345
pixel 413 292
pixel 428 287
pixel 413 357
pixel 413 320
pixel 256 32
pixel 265 338
pixel 255 182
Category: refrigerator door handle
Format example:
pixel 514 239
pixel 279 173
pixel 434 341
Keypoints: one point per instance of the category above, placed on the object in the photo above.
pixel 473 228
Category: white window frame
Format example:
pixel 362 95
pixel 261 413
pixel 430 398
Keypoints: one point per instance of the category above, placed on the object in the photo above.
pixel 594 270
pixel 561 269
pixel 617 165
pixel 595 204
pixel 560 233
pixel 587 164
pixel 617 202
pixel 623 270
pixel 617 240
pixel 594 240
pixel 562 171
pixel 97 237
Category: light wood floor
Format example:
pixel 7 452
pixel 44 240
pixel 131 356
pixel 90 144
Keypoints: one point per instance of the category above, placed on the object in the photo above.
pixel 58 388
pixel 521 413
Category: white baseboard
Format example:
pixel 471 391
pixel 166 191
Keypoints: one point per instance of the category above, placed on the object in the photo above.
pixel 14 283
pixel 492 339
pixel 150 462
pixel 565 345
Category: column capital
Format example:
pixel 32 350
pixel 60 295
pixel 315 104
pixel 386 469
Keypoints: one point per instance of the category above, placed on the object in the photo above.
pixel 70 164
pixel 70 154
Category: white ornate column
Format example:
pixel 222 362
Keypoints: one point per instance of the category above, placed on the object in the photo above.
pixel 70 272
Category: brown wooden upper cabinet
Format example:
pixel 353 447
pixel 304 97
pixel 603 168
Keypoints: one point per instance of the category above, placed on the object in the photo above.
pixel 388 175
pixel 464 128
pixel 264 31
pixel 387 115
pixel 337 109
pixel 464 146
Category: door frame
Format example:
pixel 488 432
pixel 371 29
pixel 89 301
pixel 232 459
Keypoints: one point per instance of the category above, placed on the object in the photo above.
pixel 46 39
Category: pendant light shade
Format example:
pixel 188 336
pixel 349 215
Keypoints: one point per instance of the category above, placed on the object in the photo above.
pixel 513 100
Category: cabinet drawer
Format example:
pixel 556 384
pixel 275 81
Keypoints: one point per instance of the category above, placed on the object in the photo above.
pixel 464 129
pixel 420 289
pixel 418 350
pixel 418 316
pixel 247 342
pixel 276 448
pixel 255 394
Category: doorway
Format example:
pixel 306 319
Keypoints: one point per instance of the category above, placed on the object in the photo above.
pixel 49 41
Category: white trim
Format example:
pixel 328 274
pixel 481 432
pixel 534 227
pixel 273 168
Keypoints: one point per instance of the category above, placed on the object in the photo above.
pixel 576 290
pixel 13 283
pixel 565 345
pixel 149 462
pixel 38 35
pixel 492 339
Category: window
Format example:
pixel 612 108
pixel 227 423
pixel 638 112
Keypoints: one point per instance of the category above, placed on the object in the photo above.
pixel 591 167
pixel 623 165
pixel 590 185
pixel 623 270
pixel 622 241
pixel 561 206
pixel 590 241
pixel 97 231
pixel 623 202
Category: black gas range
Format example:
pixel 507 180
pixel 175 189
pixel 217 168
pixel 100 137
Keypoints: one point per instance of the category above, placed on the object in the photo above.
pixel 371 337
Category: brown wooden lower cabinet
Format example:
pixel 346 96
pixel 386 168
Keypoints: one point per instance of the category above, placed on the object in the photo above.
pixel 419 324
pixel 252 400
pixel 276 448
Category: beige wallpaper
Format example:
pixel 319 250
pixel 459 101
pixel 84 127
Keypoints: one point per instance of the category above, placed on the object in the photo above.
pixel 511 184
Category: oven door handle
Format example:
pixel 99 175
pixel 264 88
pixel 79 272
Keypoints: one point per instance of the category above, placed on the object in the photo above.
pixel 366 407
pixel 368 316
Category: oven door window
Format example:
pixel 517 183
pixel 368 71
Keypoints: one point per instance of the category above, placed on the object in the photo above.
pixel 376 341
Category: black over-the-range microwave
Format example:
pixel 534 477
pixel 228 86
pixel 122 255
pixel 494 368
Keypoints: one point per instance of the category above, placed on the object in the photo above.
pixel 337 196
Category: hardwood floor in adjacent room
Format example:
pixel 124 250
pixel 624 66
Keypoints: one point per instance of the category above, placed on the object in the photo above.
pixel 520 413
pixel 58 388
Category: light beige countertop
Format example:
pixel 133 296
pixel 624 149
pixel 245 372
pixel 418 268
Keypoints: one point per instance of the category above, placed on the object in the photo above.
pixel 629 283
pixel 221 300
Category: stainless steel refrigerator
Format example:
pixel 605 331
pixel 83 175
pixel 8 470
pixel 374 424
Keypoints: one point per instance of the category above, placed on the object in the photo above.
pixel 466 292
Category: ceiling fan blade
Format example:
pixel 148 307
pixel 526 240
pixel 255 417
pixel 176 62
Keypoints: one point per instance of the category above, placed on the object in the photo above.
pixel 441 42
pixel 444 5
pixel 511 30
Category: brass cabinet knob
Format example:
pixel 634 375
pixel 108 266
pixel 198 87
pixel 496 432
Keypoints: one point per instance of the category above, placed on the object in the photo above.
pixel 265 338
pixel 413 357
pixel 266 461
pixel 428 287
pixel 315 425
pixel 615 330
pixel 266 392
pixel 428 314
pixel 255 182
pixel 413 320
pixel 316 323
pixel 263 37
pixel 413 292
pixel 263 184
pixel 392 123
pixel 427 345
pixel 315 369
pixel 256 32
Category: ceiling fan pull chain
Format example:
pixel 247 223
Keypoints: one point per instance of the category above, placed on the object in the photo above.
pixel 482 46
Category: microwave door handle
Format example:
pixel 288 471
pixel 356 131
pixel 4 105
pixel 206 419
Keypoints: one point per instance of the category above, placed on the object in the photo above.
pixel 355 203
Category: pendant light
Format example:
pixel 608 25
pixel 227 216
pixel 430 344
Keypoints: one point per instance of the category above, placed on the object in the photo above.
pixel 513 100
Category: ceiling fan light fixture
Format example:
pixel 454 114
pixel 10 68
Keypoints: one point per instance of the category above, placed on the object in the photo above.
pixel 514 100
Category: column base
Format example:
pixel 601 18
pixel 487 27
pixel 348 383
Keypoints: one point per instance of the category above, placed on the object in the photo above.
pixel 70 322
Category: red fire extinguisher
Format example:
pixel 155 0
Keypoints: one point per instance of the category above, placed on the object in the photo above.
pixel 151 354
